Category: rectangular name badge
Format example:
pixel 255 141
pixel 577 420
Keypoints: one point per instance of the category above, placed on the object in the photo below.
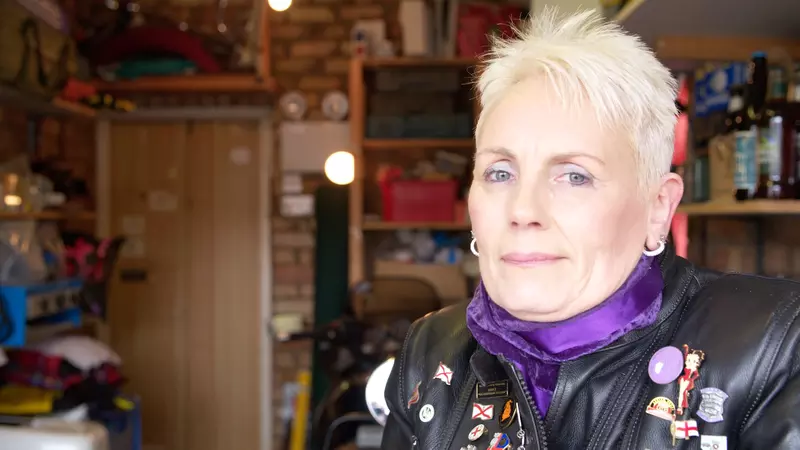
pixel 492 390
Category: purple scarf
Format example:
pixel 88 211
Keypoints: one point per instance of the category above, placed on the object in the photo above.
pixel 538 349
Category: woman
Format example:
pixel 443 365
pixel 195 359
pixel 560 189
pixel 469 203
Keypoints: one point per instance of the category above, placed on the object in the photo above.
pixel 587 332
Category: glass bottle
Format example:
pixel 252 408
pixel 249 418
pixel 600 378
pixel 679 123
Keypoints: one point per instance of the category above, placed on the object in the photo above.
pixel 746 133
pixel 771 183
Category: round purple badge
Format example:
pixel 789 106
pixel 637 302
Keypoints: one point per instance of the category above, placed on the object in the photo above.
pixel 666 365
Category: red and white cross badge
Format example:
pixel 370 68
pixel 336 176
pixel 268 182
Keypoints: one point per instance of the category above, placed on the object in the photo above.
pixel 684 429
pixel 444 374
pixel 482 412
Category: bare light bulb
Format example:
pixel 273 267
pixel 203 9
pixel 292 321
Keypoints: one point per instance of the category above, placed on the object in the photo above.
pixel 279 5
pixel 340 168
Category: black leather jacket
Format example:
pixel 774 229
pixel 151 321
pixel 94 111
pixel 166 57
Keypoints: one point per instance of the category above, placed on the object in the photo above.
pixel 746 325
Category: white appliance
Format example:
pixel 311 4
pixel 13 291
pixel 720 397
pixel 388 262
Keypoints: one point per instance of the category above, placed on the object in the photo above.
pixel 55 435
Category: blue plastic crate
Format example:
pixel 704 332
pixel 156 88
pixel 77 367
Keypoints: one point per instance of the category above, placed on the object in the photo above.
pixel 45 303
pixel 124 427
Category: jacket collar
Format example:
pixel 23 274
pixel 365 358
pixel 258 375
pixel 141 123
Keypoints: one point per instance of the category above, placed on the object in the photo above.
pixel 486 367
pixel 677 274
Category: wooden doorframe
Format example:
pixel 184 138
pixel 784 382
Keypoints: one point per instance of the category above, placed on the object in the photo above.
pixel 266 145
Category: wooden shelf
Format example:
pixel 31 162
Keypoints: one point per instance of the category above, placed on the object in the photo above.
pixel 683 29
pixel 190 83
pixel 403 144
pixel 747 208
pixel 48 215
pixel 34 104
pixel 709 48
pixel 389 226
pixel 74 108
pixel 418 62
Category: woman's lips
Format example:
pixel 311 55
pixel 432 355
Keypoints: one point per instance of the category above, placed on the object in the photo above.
pixel 530 259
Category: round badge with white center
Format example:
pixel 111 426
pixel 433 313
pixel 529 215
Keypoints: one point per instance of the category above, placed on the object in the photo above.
pixel 477 432
pixel 426 413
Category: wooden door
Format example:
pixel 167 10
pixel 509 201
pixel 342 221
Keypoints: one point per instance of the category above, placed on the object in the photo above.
pixel 184 309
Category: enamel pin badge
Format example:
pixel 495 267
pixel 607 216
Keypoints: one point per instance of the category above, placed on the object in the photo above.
pixel 683 429
pixel 712 406
pixel 426 413
pixel 506 417
pixel 482 412
pixel 444 374
pixel 500 441
pixel 662 407
pixel 414 396
pixel 477 432
pixel 692 359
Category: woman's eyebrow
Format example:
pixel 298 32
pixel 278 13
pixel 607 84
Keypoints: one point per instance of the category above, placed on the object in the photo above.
pixel 501 151
pixel 570 155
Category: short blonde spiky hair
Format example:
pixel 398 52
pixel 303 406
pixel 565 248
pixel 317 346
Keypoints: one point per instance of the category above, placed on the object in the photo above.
pixel 588 60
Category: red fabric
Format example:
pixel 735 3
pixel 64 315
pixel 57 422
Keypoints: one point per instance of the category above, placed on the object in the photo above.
pixel 478 21
pixel 682 128
pixel 32 368
pixel 681 140
pixel 680 222
pixel 146 39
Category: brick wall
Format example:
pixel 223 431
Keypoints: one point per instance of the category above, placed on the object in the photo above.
pixel 69 141
pixel 310 48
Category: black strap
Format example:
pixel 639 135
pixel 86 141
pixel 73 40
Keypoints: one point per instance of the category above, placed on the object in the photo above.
pixel 31 36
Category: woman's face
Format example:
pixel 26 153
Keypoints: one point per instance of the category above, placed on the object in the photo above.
pixel 556 206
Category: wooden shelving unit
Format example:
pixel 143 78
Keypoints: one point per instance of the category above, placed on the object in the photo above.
pixel 48 215
pixel 685 32
pixel 369 148
pixel 190 83
pixel 405 144
pixel 36 105
pixel 260 81
pixel 390 226
pixel 418 62
pixel 747 208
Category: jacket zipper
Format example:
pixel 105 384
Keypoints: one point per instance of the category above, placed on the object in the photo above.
pixel 413 441
pixel 538 431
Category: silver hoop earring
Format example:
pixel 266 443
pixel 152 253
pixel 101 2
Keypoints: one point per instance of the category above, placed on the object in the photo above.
pixel 473 245
pixel 662 244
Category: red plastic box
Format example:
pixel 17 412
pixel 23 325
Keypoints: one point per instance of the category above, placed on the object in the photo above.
pixel 419 201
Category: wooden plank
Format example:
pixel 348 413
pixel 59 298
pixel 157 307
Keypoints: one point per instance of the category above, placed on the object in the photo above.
pixel 419 62
pixel 720 48
pixel 356 271
pixel 746 208
pixel 190 83
pixel 48 215
pixel 35 104
pixel 390 226
pixel 402 144
pixel 264 68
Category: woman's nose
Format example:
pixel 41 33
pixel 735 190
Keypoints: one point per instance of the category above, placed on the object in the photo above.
pixel 528 210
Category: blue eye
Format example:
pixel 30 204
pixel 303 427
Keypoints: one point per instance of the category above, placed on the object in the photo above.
pixel 497 176
pixel 577 179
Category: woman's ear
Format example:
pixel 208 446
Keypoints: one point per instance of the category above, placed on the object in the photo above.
pixel 664 203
